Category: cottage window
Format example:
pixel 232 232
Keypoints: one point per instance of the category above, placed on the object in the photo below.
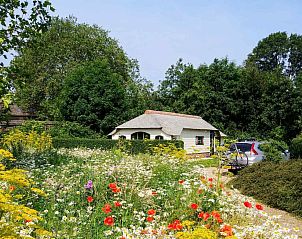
pixel 140 135
pixel 199 140
pixel 122 137
pixel 159 137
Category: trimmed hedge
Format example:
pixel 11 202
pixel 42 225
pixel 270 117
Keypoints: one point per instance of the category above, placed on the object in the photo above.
pixel 278 185
pixel 296 147
pixel 132 146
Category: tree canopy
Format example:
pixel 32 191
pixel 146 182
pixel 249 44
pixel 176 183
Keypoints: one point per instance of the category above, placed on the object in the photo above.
pixel 21 20
pixel 278 51
pixel 52 55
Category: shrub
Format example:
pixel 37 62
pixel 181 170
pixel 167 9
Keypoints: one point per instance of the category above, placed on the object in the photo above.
pixel 296 147
pixel 18 220
pixel 32 125
pixel 276 184
pixel 131 146
pixel 273 150
pixel 19 142
pixel 71 130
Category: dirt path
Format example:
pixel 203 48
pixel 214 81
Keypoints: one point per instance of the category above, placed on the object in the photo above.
pixel 286 219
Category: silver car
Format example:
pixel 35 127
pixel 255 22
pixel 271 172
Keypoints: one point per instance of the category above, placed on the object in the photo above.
pixel 249 152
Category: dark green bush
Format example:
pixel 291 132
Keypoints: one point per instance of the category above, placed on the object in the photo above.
pixel 132 146
pixel 67 129
pixel 60 129
pixel 273 150
pixel 296 147
pixel 278 185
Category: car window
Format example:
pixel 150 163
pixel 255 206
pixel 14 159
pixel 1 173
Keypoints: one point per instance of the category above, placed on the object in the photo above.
pixel 243 147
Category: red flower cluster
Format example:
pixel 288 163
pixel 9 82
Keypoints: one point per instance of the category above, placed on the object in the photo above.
pixel 257 206
pixel 176 225
pixel 114 188
pixel 194 206
pixel 109 221
pixel 117 204
pixel 227 230
pixel 151 213
pixel 204 215
pixel 107 208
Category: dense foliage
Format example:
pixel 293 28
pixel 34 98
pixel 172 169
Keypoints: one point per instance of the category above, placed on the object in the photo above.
pixel 80 74
pixel 60 52
pixel 296 147
pixel 235 99
pixel 275 184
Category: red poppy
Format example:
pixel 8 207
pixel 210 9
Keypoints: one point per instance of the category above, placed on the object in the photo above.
pixel 107 208
pixel 109 221
pixel 200 215
pixel 215 214
pixel 149 218
pixel 181 181
pixel 259 206
pixel 12 188
pixel 247 204
pixel 194 206
pixel 206 216
pixel 89 199
pixel 117 204
pixel 176 225
pixel 227 229
pixel 154 193
pixel 151 212
pixel 211 185
pixel 112 185
pixel 210 179
pixel 28 220
pixel 116 190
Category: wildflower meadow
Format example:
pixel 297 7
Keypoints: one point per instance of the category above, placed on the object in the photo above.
pixel 93 193
pixel 109 194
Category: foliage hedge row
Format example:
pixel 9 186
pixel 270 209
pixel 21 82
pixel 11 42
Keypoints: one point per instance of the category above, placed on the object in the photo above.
pixel 296 147
pixel 132 146
pixel 278 185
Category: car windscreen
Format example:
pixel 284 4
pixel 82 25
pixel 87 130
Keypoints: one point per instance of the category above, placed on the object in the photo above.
pixel 242 147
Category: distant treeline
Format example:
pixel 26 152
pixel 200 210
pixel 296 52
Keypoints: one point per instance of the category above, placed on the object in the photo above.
pixel 76 72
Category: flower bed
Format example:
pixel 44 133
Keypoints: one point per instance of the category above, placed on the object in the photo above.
pixel 102 194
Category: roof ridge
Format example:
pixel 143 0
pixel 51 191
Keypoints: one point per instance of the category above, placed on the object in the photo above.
pixel 151 112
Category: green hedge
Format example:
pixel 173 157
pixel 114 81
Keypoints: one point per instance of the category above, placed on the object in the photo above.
pixel 132 146
pixel 296 147
pixel 278 185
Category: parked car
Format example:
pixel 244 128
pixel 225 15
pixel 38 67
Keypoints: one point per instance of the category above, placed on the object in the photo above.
pixel 246 153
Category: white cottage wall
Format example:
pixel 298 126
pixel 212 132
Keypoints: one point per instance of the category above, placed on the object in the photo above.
pixel 152 132
pixel 188 136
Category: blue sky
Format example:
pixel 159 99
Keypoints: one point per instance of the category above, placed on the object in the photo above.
pixel 159 32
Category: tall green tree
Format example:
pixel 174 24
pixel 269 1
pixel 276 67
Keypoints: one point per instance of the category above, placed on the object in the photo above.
pixel 94 94
pixel 45 62
pixel 278 51
pixel 21 20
